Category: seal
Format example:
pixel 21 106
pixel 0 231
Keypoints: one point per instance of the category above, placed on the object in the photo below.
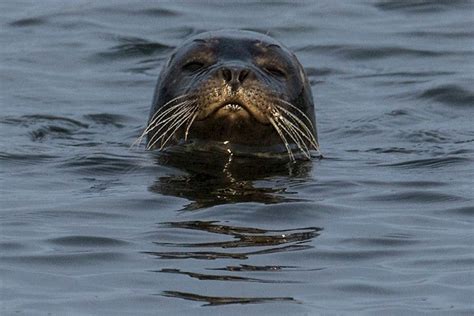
pixel 236 87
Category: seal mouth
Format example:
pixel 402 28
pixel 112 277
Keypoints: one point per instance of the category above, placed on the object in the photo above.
pixel 235 110
pixel 233 107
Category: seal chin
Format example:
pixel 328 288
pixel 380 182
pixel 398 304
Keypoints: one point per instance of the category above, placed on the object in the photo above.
pixel 231 121
pixel 229 116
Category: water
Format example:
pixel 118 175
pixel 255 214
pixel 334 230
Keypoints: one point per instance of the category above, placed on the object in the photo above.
pixel 383 224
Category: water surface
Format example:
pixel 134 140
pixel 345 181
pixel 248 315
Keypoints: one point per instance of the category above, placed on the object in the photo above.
pixel 383 224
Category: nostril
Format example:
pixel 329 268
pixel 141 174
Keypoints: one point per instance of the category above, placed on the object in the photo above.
pixel 243 74
pixel 227 74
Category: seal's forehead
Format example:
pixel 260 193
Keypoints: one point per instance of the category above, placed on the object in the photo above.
pixel 233 45
pixel 231 37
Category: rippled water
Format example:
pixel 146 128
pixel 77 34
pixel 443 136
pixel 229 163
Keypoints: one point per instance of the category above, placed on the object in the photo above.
pixel 383 224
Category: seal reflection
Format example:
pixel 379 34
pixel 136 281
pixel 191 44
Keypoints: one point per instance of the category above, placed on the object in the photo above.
pixel 214 178
pixel 219 177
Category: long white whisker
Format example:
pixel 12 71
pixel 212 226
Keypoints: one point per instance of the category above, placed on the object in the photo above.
pixel 302 142
pixel 178 112
pixel 153 124
pixel 189 125
pixel 301 112
pixel 183 121
pixel 161 133
pixel 286 127
pixel 314 141
pixel 164 106
pixel 171 124
pixel 283 138
pixel 171 109
pixel 309 134
pixel 295 137
pixel 298 131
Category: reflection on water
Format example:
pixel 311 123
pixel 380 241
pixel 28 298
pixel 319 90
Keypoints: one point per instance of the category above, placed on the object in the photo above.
pixel 206 277
pixel 210 179
pixel 213 179
pixel 215 300
pixel 264 241
pixel 290 239
pixel 247 236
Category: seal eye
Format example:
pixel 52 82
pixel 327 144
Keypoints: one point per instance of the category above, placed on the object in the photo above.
pixel 277 72
pixel 193 66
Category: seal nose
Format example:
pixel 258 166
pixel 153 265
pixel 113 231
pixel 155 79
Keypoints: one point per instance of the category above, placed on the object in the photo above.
pixel 234 75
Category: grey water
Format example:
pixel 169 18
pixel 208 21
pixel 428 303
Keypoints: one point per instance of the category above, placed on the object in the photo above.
pixel 382 225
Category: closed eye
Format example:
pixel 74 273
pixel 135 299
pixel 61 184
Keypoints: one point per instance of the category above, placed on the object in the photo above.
pixel 277 72
pixel 193 66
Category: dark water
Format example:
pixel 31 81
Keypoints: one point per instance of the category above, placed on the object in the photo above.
pixel 383 225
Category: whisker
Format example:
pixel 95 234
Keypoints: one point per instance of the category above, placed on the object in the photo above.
pixel 171 109
pixel 307 152
pixel 165 128
pixel 287 127
pixel 160 125
pixel 189 125
pixel 178 118
pixel 153 124
pixel 164 120
pixel 314 141
pixel 298 131
pixel 308 133
pixel 297 109
pixel 164 106
pixel 183 121
pixel 283 138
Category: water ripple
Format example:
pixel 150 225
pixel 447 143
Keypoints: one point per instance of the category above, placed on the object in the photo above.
pixel 65 259
pixel 95 164
pixel 416 196
pixel 247 237
pixel 86 241
pixel 28 120
pixel 253 268
pixel 262 242
pixel 222 300
pixel 388 241
pixel 211 277
pixel 50 126
pixel 450 94
pixel 213 255
pixel 422 6
pixel 115 120
pixel 25 158
pixel 131 47
pixel 465 211
pixel 375 52
pixel 430 162
pixel 27 22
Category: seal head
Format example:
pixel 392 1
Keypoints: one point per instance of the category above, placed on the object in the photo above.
pixel 236 87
